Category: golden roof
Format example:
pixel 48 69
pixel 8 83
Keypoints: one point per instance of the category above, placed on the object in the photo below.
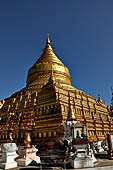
pixel 48 63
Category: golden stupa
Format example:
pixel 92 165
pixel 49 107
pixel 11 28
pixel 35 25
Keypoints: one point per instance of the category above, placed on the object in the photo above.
pixel 47 101
pixel 48 62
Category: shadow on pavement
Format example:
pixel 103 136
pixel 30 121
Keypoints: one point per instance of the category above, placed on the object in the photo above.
pixel 101 155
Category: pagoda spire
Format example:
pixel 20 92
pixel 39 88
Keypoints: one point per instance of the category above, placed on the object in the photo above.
pixel 48 39
pixel 48 48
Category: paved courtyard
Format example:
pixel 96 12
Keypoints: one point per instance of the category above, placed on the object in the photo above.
pixel 101 164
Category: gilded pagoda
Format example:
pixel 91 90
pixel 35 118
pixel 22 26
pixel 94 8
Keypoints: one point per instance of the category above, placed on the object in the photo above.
pixel 47 101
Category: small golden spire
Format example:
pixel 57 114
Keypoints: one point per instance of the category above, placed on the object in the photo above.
pixel 71 114
pixel 48 40
pixel 99 98
pixel 27 140
pixel 11 136
pixel 52 78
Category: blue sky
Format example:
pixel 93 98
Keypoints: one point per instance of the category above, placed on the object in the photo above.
pixel 81 32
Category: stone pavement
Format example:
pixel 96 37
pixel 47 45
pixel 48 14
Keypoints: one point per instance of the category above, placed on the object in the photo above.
pixel 58 168
pixel 98 168
pixel 101 164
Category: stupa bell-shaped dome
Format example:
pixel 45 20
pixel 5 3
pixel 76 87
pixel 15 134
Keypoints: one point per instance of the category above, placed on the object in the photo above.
pixel 48 63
